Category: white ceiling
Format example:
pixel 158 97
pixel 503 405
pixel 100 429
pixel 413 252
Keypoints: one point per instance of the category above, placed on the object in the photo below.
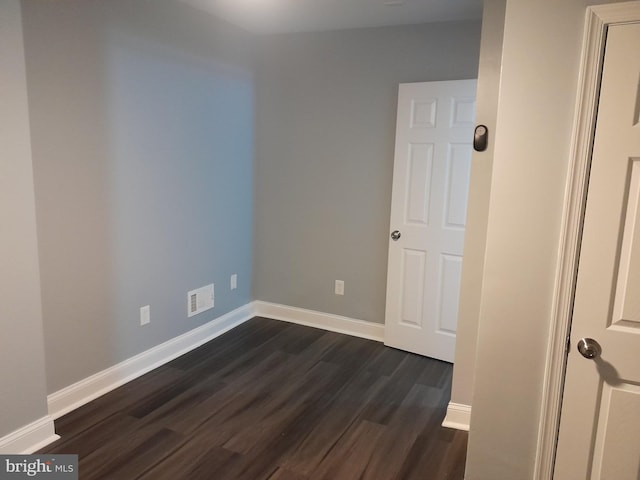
pixel 281 16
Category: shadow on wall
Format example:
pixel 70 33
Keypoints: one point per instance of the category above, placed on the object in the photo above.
pixel 142 128
pixel 181 147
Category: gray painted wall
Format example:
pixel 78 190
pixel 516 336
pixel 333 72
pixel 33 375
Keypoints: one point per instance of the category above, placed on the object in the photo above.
pixel 478 209
pixel 325 116
pixel 540 62
pixel 142 127
pixel 22 367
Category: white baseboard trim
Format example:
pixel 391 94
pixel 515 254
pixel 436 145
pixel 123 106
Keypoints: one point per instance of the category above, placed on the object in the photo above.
pixel 325 321
pixel 29 438
pixel 458 416
pixel 71 397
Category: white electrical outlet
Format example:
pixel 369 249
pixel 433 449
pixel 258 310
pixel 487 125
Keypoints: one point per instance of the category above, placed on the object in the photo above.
pixel 145 315
pixel 234 281
pixel 339 287
pixel 200 300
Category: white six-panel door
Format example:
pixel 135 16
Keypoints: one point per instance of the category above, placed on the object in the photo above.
pixel 600 422
pixel 431 174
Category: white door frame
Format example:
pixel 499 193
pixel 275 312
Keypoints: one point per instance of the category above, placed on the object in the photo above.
pixel 598 20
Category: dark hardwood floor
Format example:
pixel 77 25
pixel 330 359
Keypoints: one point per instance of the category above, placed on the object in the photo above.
pixel 273 400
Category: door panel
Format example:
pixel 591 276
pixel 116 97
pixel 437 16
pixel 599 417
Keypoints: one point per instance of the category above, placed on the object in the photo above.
pixel 600 423
pixel 458 176
pixel 419 183
pixel 616 452
pixel 450 277
pixel 413 268
pixel 626 310
pixel 429 208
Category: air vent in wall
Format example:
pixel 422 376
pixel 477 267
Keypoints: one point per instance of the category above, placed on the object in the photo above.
pixel 200 300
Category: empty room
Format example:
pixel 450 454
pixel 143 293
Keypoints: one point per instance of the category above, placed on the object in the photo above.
pixel 277 239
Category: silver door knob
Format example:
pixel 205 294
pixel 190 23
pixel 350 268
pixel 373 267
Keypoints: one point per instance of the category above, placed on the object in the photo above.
pixel 395 235
pixel 589 348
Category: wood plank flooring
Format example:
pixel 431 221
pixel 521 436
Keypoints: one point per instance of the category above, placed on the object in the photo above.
pixel 277 401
